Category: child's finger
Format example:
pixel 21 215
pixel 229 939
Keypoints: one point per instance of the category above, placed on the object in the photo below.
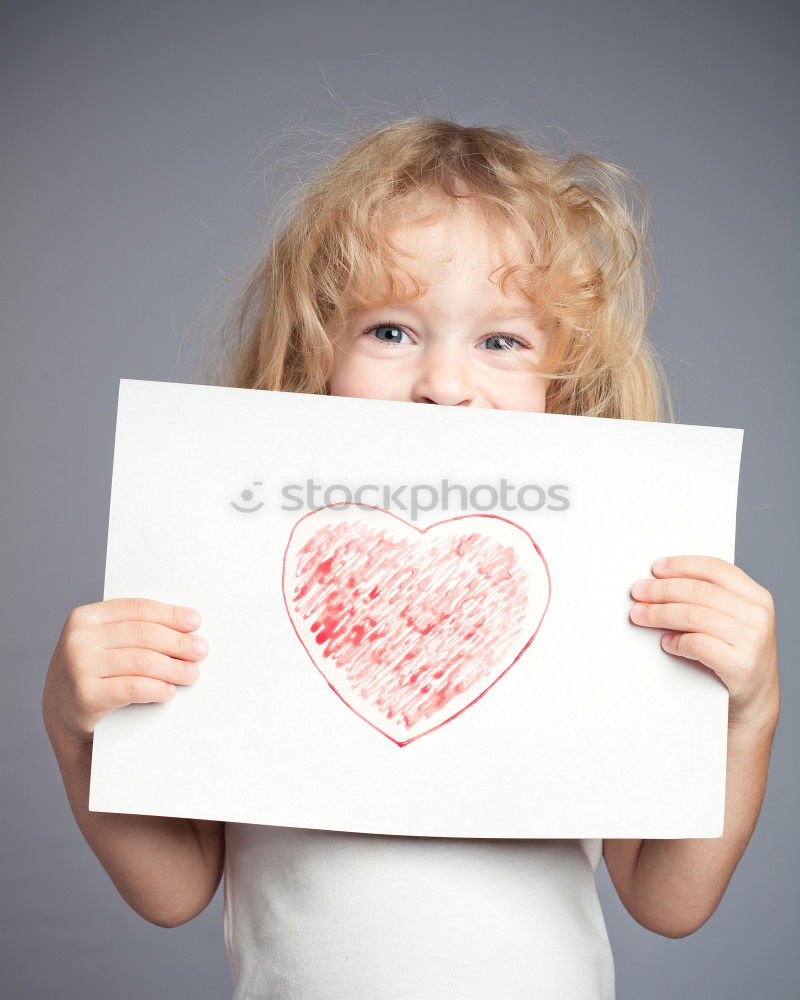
pixel 146 663
pixel 714 570
pixel 116 692
pixel 712 653
pixel 119 609
pixel 150 635
pixel 688 618
pixel 682 590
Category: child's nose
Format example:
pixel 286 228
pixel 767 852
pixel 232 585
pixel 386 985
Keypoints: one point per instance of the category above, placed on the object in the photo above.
pixel 442 378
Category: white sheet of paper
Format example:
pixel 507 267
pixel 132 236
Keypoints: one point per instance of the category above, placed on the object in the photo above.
pixel 466 671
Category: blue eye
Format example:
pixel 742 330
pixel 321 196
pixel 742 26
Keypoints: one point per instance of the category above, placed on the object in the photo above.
pixel 506 342
pixel 381 328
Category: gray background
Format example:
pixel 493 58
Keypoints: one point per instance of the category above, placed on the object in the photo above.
pixel 134 180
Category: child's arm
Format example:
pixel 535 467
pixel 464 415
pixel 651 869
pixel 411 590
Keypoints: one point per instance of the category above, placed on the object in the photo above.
pixel 728 623
pixel 110 654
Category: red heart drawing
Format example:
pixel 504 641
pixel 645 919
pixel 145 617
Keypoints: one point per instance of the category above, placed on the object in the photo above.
pixel 411 626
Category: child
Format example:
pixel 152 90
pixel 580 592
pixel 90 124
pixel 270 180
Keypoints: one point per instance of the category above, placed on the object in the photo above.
pixel 459 266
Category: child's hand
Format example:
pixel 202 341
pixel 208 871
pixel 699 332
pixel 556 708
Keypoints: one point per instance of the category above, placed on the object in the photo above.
pixel 721 617
pixel 116 653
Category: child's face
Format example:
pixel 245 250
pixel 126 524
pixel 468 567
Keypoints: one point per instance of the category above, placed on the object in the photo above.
pixel 454 346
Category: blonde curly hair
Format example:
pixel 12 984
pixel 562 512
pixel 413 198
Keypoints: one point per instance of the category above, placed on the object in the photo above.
pixel 588 267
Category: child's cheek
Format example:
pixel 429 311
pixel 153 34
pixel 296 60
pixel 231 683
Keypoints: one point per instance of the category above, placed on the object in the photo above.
pixel 361 377
pixel 520 391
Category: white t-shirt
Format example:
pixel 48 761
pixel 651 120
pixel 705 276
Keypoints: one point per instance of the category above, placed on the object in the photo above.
pixel 321 915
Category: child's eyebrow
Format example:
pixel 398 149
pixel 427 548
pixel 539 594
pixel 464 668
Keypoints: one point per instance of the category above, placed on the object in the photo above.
pixel 504 314
pixel 494 314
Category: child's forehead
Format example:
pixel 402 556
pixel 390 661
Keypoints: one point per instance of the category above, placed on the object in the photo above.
pixel 417 247
pixel 435 227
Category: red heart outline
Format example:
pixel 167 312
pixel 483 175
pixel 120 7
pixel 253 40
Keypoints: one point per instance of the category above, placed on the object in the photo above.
pixel 421 532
